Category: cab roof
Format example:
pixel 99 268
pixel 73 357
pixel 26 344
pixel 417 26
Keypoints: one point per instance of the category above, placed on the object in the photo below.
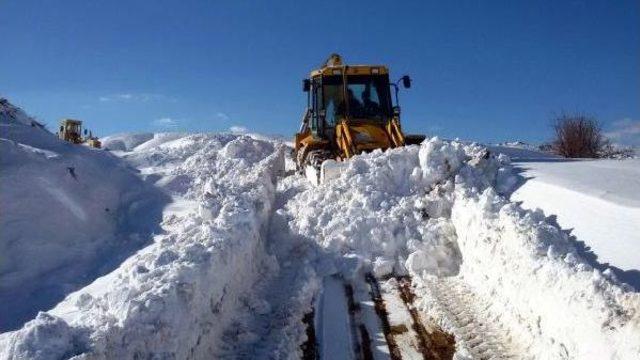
pixel 351 70
pixel 335 66
pixel 71 121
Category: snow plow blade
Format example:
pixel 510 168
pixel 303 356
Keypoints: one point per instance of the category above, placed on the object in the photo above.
pixel 329 170
pixel 414 139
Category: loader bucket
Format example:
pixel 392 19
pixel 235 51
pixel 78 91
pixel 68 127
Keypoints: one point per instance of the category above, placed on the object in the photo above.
pixel 414 139
pixel 329 170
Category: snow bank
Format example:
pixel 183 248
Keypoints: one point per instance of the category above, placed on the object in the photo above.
pixel 176 297
pixel 609 231
pixel 125 142
pixel 239 250
pixel 538 283
pixel 380 209
pixel 69 214
pixel 436 210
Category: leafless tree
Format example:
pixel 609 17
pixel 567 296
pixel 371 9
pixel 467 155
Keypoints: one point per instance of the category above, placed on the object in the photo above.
pixel 578 136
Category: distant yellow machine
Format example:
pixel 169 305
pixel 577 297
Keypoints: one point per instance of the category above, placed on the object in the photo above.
pixel 71 130
pixel 349 111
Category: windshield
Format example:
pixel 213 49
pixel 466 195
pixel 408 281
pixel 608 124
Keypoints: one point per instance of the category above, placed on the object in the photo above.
pixel 368 97
pixel 72 127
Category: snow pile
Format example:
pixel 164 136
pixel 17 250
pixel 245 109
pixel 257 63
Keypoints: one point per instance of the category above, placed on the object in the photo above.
pixel 382 209
pixel 269 324
pixel 538 283
pixel 436 210
pixel 130 141
pixel 177 296
pixel 125 142
pixel 241 254
pixel 62 224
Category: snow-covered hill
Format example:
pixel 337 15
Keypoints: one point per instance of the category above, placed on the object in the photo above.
pixel 210 251
pixel 245 256
pixel 69 215
pixel 125 142
pixel 14 114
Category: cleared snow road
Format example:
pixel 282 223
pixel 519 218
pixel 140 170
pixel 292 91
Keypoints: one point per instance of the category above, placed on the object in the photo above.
pixel 245 255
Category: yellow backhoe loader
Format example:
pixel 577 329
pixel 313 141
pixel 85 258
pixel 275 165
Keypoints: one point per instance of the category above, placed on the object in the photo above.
pixel 71 130
pixel 349 111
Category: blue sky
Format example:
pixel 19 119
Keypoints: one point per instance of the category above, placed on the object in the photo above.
pixel 482 70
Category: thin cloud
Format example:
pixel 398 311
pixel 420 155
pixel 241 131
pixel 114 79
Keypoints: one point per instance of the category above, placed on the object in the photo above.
pixel 625 132
pixel 166 123
pixel 134 97
pixel 222 116
pixel 237 129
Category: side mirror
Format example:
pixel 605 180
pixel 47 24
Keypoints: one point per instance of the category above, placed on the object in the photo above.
pixel 406 82
pixel 306 85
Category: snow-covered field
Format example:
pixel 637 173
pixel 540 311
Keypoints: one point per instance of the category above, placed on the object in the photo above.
pixel 243 253
pixel 596 201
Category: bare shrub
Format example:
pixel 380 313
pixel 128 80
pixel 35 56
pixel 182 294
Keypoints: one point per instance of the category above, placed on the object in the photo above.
pixel 545 147
pixel 578 136
pixel 615 151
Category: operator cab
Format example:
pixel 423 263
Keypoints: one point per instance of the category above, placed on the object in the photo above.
pixel 358 98
pixel 358 94
pixel 70 130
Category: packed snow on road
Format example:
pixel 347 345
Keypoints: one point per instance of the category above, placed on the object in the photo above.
pixel 193 246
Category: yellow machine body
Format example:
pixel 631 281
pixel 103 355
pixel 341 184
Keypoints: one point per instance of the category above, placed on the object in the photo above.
pixel 71 130
pixel 93 142
pixel 350 111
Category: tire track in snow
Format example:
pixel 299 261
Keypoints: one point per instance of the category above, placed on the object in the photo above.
pixel 310 347
pixel 336 339
pixel 347 322
pixel 276 311
pixel 381 311
pixel 414 340
pixel 455 307
pixel 434 343
pixel 422 318
pixel 362 346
